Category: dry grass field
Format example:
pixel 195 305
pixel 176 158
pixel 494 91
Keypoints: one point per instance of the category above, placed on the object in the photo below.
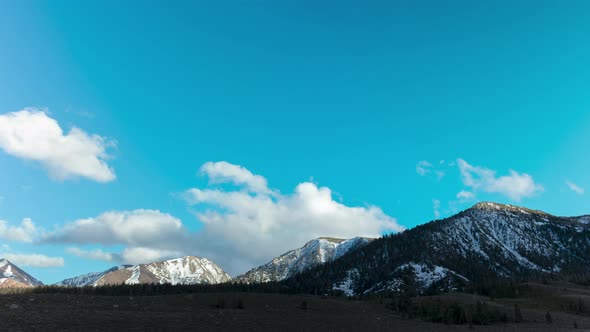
pixel 270 312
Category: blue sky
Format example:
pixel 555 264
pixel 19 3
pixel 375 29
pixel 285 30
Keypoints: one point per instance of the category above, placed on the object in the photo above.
pixel 396 107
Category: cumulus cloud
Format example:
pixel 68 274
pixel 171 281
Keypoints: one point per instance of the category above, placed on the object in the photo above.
pixel 34 260
pixel 32 135
pixel 136 228
pixel 138 255
pixel 243 226
pixel 515 185
pixel 246 228
pixel 96 254
pixel 147 235
pixel 575 188
pixel 465 196
pixel 23 233
pixel 223 172
pixel 132 255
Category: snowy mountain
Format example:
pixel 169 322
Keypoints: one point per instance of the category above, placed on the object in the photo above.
pixel 12 276
pixel 486 242
pixel 583 219
pixel 185 270
pixel 89 279
pixel 314 252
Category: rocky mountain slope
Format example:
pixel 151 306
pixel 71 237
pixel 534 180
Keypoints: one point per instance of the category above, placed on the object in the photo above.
pixel 12 276
pixel 89 279
pixel 314 252
pixel 484 243
pixel 185 270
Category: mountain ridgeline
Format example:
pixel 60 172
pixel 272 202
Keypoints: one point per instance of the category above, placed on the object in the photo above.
pixel 488 244
pixel 11 276
pixel 180 271
pixel 314 252
pixel 192 270
pixel 478 246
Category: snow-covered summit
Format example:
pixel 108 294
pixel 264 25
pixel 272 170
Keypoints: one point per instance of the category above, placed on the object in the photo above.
pixel 185 270
pixel 491 206
pixel 484 242
pixel 314 252
pixel 504 235
pixel 88 279
pixel 12 276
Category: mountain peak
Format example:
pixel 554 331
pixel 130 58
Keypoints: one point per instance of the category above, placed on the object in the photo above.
pixel 12 276
pixel 183 270
pixel 492 206
pixel 314 252
pixel 488 240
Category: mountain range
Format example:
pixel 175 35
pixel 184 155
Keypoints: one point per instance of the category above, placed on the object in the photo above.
pixel 485 243
pixel 314 252
pixel 194 270
pixel 179 271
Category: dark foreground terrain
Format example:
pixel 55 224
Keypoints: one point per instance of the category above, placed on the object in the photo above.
pixel 276 312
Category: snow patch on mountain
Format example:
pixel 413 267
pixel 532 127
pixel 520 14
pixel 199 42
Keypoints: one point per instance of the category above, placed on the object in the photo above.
pixel 8 272
pixel 180 271
pixel 186 271
pixel 346 286
pixel 428 275
pixel 422 275
pixel 314 252
pixel 519 234
pixel 88 279
pixel 489 240
pixel 13 276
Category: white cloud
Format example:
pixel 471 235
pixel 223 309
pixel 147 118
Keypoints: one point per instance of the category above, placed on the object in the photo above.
pixel 23 233
pixel 138 255
pixel 575 188
pixel 436 208
pixel 135 228
pixel 465 196
pixel 515 185
pixel 130 255
pixel 223 172
pixel 423 167
pixel 34 260
pixel 96 254
pixel 242 229
pixel 147 235
pixel 31 134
